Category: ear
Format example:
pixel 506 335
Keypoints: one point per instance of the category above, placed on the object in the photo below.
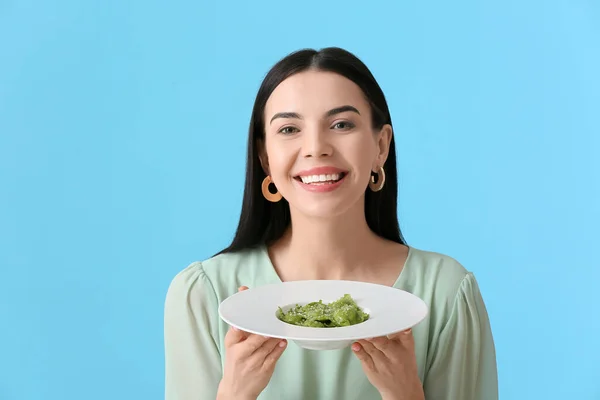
pixel 262 155
pixel 383 141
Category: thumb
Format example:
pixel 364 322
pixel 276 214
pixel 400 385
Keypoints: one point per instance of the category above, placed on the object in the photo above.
pixel 407 339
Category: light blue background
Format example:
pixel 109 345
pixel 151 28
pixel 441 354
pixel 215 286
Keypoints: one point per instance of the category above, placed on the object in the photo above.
pixel 122 153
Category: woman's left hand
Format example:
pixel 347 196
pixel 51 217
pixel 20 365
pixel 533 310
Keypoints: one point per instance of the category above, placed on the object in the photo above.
pixel 391 365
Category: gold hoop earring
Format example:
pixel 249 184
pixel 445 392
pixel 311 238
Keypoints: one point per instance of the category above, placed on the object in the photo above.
pixel 272 197
pixel 376 187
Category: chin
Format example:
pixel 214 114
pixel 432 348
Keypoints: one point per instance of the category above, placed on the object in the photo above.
pixel 323 209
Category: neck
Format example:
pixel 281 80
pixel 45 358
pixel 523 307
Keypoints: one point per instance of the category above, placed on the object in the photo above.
pixel 328 248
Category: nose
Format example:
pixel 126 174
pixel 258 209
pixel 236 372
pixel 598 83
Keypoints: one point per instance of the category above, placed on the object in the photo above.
pixel 316 143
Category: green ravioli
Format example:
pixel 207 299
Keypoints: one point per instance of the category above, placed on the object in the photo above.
pixel 342 312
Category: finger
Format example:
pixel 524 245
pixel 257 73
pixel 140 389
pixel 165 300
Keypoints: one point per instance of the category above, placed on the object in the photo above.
pixel 242 288
pixel 373 351
pixel 261 354
pixel 267 347
pixel 272 358
pixel 234 336
pixel 252 343
pixel 386 346
pixel 364 357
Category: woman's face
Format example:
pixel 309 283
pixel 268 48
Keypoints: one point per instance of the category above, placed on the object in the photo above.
pixel 320 147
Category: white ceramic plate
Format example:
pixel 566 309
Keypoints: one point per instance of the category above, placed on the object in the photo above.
pixel 390 310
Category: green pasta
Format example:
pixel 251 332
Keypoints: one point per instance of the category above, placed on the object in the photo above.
pixel 342 312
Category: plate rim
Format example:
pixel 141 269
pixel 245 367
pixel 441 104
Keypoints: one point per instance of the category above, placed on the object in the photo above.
pixel 352 332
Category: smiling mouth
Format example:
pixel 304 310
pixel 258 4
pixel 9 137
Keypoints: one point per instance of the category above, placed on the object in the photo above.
pixel 323 179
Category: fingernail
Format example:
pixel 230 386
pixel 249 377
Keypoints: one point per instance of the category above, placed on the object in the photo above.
pixel 235 329
pixel 282 343
pixel 407 332
pixel 355 347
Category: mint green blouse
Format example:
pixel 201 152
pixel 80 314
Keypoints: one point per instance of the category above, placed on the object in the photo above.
pixel 454 345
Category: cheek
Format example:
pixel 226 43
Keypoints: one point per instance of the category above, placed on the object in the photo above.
pixel 363 153
pixel 280 162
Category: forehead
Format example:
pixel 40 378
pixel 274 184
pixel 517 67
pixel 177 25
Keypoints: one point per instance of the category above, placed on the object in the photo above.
pixel 311 93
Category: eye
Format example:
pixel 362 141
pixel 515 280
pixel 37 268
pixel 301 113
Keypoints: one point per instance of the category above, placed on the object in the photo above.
pixel 288 130
pixel 343 125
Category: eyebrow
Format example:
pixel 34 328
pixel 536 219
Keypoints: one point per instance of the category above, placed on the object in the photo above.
pixel 329 113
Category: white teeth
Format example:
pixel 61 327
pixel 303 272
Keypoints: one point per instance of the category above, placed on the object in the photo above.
pixel 320 178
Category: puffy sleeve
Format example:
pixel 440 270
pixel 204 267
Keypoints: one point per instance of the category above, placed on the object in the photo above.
pixel 192 358
pixel 463 365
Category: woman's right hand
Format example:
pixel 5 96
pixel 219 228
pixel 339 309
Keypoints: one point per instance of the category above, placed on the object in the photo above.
pixel 249 363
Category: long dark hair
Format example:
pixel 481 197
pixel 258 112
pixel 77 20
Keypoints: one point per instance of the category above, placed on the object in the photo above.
pixel 262 222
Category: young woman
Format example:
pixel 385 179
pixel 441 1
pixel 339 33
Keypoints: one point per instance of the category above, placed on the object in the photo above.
pixel 320 202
